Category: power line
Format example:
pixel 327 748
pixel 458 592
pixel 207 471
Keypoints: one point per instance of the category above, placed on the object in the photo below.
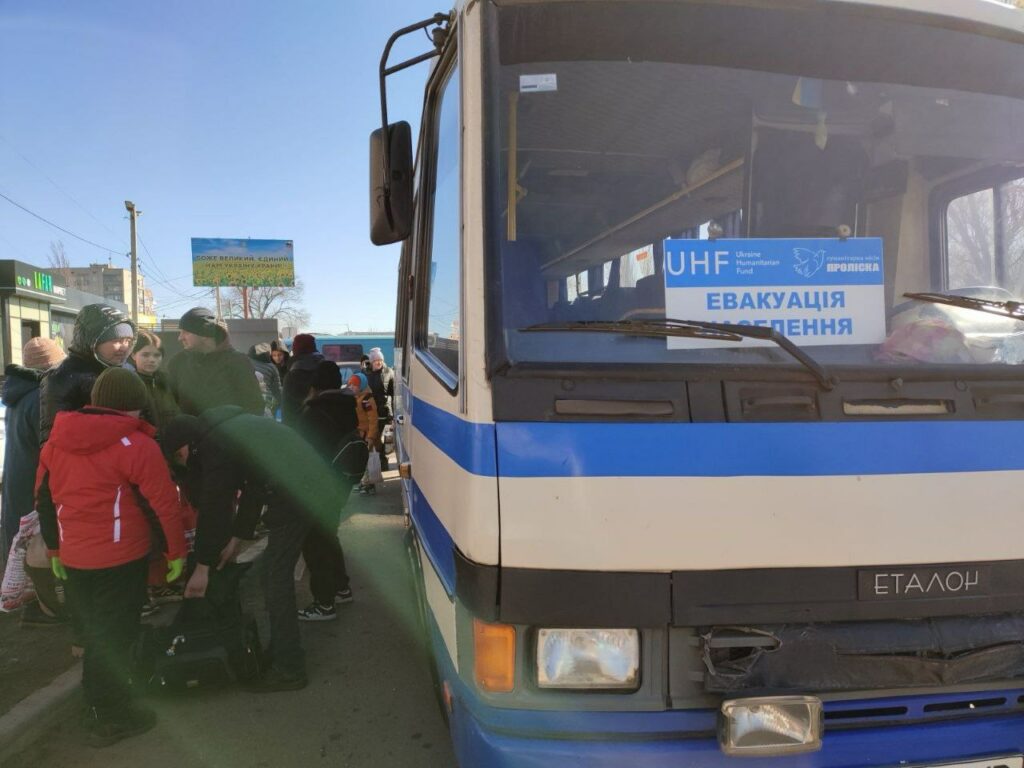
pixel 153 260
pixel 58 187
pixel 183 296
pixel 169 286
pixel 57 226
pixel 158 281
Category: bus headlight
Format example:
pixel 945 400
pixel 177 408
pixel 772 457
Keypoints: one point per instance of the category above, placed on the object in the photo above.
pixel 588 658
pixel 775 725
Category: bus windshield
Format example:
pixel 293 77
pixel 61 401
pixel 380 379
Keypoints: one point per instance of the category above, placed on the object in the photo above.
pixel 803 171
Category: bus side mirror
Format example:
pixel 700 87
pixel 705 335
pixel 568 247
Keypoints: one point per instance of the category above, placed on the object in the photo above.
pixel 391 209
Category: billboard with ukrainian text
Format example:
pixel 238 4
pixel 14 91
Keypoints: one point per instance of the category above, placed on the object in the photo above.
pixel 249 263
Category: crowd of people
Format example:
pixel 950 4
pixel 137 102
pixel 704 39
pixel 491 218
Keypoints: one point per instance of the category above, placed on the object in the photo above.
pixel 145 475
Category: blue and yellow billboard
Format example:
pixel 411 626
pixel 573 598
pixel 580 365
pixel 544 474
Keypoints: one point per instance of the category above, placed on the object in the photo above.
pixel 249 263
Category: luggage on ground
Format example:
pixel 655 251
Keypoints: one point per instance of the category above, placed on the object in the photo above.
pixel 211 642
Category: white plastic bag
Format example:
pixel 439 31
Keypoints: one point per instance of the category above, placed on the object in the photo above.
pixel 17 588
pixel 373 474
pixel 35 552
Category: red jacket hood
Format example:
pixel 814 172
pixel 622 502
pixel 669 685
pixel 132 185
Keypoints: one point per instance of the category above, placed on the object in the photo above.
pixel 94 429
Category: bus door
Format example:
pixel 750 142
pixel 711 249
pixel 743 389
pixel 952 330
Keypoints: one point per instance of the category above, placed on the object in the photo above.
pixel 403 333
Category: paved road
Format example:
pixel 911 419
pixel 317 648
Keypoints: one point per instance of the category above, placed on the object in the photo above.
pixel 369 703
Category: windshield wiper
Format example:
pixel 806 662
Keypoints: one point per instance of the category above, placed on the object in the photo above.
pixel 1011 309
pixel 694 329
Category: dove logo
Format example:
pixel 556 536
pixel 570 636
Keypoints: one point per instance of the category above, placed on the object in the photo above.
pixel 808 262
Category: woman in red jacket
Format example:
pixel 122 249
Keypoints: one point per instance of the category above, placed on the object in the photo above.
pixel 102 490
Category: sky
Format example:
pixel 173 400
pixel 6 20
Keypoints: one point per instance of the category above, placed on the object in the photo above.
pixel 217 119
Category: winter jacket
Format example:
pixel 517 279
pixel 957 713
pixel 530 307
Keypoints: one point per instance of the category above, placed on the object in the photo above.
pixel 69 386
pixel 162 407
pixel 328 421
pixel 282 369
pixel 366 414
pixel 21 454
pixel 203 380
pixel 326 418
pixel 259 354
pixel 238 451
pixel 382 384
pixel 103 488
pixel 297 384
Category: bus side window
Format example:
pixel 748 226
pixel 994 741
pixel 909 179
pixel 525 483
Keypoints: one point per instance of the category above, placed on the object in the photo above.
pixel 983 238
pixel 437 325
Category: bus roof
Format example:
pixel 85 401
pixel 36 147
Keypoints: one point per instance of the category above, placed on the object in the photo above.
pixel 996 14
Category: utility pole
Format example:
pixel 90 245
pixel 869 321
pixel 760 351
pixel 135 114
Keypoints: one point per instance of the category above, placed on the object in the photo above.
pixel 133 214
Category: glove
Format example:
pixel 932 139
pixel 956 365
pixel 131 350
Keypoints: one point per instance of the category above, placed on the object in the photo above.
pixel 58 569
pixel 174 569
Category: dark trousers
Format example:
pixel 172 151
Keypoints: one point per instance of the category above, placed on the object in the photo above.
pixel 287 531
pixel 325 560
pixel 383 421
pixel 107 602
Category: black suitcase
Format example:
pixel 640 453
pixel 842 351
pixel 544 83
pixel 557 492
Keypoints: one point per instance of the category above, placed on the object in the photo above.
pixel 200 649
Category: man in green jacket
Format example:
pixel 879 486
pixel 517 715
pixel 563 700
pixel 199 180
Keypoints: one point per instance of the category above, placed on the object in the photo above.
pixel 210 373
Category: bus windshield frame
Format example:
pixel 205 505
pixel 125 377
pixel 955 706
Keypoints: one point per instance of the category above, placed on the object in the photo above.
pixel 930 135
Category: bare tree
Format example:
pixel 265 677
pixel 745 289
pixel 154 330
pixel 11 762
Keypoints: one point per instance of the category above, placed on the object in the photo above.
pixel 59 263
pixel 979 223
pixel 285 304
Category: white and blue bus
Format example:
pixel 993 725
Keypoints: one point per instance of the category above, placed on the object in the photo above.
pixel 709 343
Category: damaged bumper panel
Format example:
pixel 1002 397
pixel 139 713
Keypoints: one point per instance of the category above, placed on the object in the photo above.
pixel 864 655
pixel 517 739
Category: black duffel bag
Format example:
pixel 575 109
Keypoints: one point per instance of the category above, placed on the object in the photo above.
pixel 210 642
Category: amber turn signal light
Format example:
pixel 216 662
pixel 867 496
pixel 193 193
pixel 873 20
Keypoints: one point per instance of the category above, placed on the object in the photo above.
pixel 494 656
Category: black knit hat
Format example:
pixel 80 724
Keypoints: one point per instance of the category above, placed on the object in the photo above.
pixel 202 322
pixel 326 376
pixel 120 390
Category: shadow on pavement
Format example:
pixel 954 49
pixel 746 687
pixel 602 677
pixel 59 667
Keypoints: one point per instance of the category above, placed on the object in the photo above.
pixel 370 701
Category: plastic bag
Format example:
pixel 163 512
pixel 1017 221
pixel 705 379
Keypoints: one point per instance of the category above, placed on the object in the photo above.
pixel 35 552
pixel 17 588
pixel 373 474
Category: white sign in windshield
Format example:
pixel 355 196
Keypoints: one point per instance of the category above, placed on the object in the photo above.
pixel 816 291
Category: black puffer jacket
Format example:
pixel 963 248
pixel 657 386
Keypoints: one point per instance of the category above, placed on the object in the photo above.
pixel 326 418
pixel 236 451
pixel 296 385
pixel 21 457
pixel 382 384
pixel 69 385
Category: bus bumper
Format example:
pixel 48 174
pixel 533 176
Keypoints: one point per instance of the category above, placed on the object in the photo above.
pixel 477 744
pixel 486 736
